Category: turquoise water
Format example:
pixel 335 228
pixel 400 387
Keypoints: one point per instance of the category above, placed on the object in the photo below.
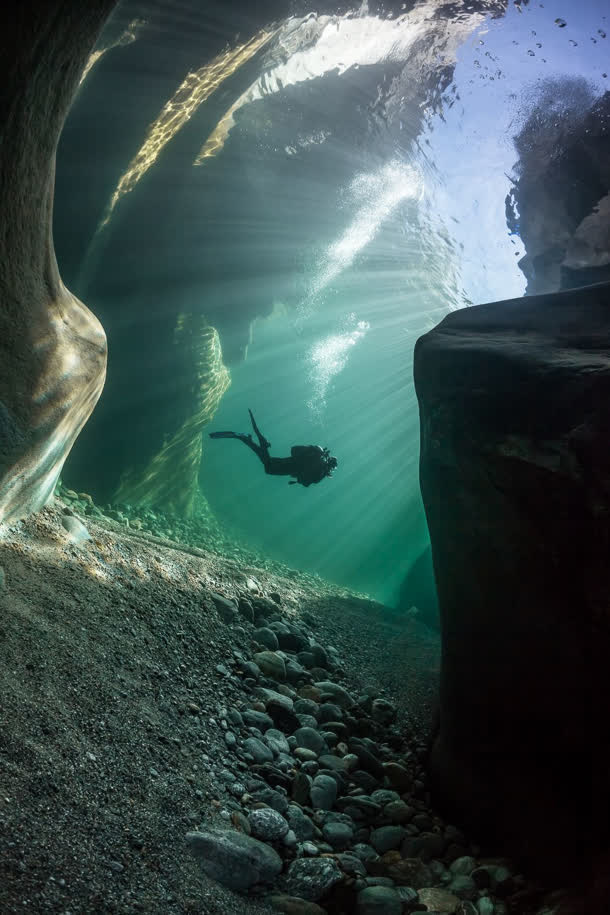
pixel 320 191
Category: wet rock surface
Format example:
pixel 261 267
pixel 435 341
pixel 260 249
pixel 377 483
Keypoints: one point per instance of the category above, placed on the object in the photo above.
pixel 516 480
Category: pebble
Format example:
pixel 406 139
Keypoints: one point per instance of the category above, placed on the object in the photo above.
pixel 271 664
pixel 276 741
pixel 257 749
pixel 306 707
pixel 329 712
pixel 399 813
pixel 309 739
pixel 383 711
pixel 234 859
pixel 337 693
pixel 438 900
pixel 301 788
pixel 267 824
pixel 378 900
pixel 2 579
pixel 259 720
pixel 226 608
pixel 272 798
pixel 323 792
pixel 267 637
pixel 338 835
pixel 312 878
pixel 463 866
pixel 292 905
pixel 463 886
pixel 387 838
pixel 300 823
pixel 77 531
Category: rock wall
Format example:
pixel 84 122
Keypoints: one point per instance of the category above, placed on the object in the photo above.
pixel 52 349
pixel 515 428
pixel 169 478
pixel 560 205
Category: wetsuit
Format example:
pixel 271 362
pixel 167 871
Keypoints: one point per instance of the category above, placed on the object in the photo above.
pixel 307 463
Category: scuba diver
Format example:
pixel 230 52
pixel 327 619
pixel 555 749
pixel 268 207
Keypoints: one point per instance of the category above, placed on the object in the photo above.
pixel 308 463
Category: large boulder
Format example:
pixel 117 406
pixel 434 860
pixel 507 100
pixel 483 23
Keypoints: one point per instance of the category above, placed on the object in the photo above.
pixel 515 434
pixel 52 349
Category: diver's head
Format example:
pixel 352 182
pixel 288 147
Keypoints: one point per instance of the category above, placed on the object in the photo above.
pixel 330 462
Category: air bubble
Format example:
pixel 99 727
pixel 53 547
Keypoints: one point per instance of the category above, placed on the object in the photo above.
pixel 561 23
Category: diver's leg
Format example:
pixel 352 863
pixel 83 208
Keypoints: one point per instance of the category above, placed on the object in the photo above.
pixel 265 445
pixel 260 452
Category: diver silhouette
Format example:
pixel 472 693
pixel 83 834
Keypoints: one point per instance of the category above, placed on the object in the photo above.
pixel 308 463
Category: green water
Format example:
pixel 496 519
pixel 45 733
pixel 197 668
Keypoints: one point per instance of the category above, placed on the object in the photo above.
pixel 330 191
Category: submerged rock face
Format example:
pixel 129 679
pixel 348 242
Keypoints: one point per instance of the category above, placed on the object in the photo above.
pixel 559 204
pixel 52 349
pixel 515 428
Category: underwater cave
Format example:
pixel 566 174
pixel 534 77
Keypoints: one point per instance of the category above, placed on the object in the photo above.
pixel 304 436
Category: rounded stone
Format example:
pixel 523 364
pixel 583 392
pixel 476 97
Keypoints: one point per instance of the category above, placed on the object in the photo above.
pixel 378 900
pixel 257 749
pixel 234 859
pixel 323 792
pixel 398 813
pixel 339 835
pixel 292 905
pixel 306 707
pixel 267 637
pixel 312 878
pixel 328 711
pixel 387 838
pixel 267 824
pixel 309 739
pixel 271 664
pixel 276 742
pixel 463 867
pixel 383 711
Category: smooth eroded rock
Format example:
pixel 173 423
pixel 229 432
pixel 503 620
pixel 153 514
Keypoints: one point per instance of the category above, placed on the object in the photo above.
pixel 234 859
pixel 515 423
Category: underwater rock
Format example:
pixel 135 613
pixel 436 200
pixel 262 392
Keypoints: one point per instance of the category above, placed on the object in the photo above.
pixel 559 204
pixel 386 838
pixel 267 824
pixel 234 859
pixel 378 900
pixel 227 609
pixel 312 878
pixel 266 637
pixel 257 750
pixel 52 348
pixel 271 664
pixel 336 693
pixel 438 900
pixel 309 739
pixel 419 590
pixel 323 792
pixel 515 423
pixel 293 905
pixel 153 455
pixel 77 531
